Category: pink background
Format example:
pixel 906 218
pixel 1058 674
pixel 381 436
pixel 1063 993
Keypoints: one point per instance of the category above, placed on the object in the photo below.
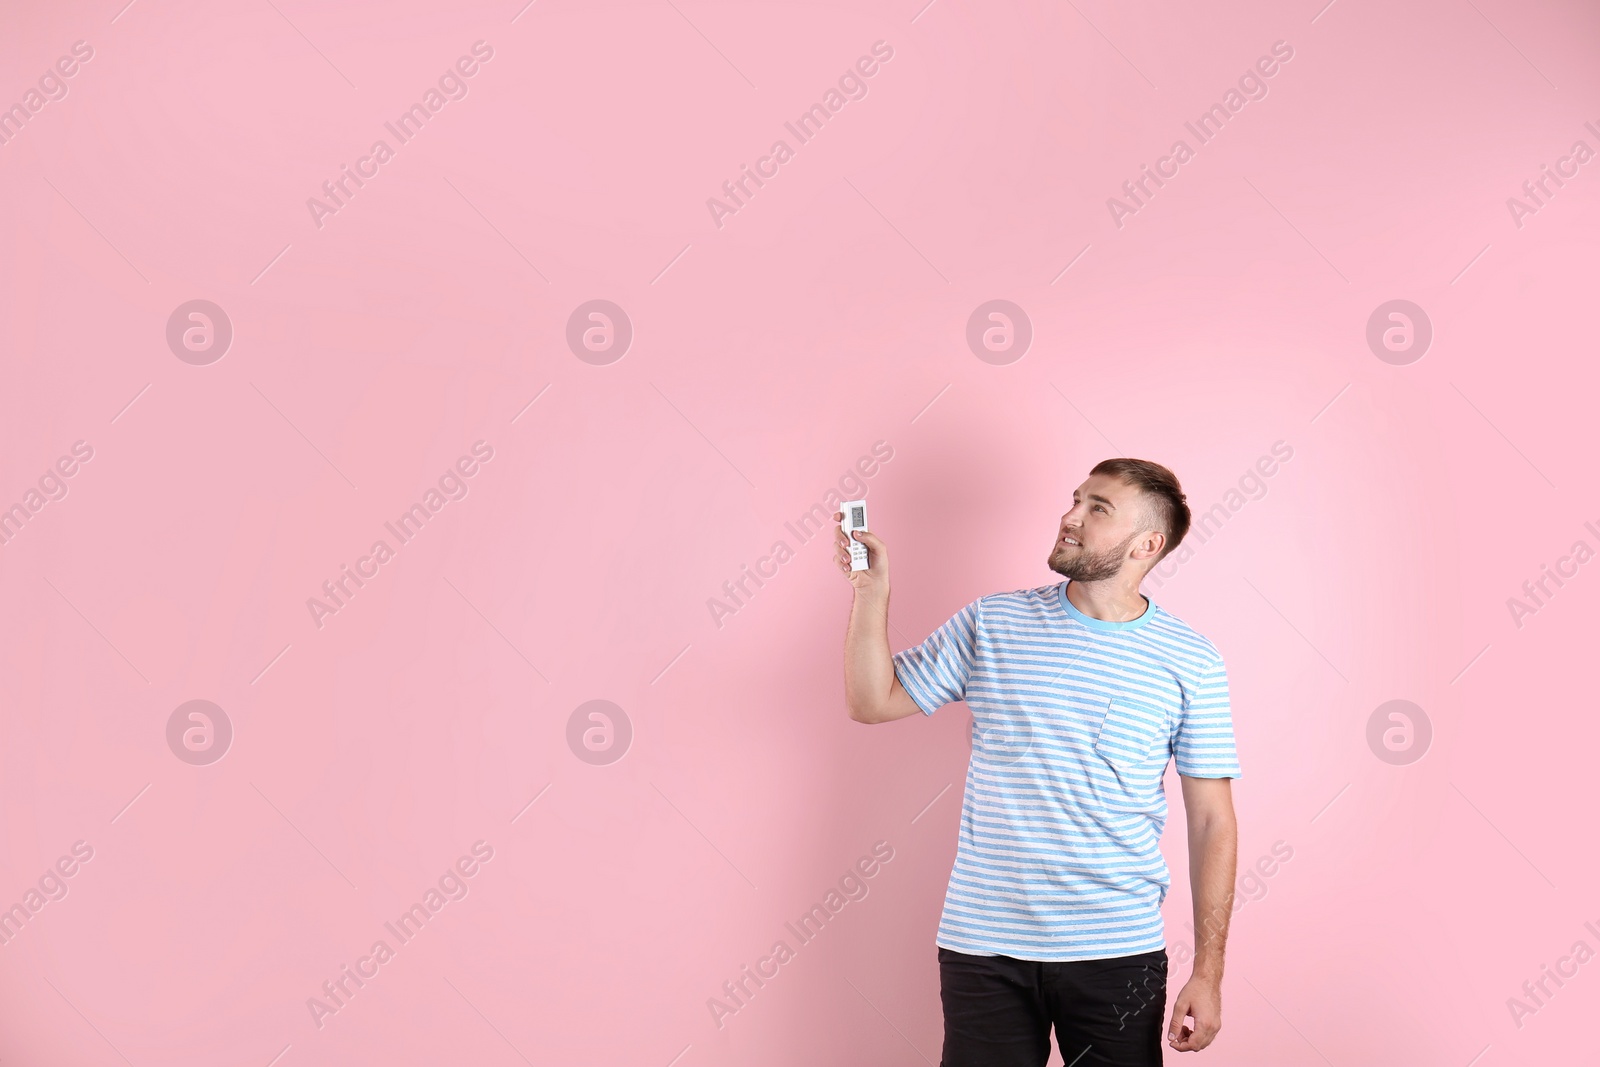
pixel 768 356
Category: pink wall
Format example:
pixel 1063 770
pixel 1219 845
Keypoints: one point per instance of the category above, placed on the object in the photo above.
pixel 372 346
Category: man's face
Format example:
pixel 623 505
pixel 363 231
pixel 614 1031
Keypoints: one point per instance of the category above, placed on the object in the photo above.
pixel 1094 537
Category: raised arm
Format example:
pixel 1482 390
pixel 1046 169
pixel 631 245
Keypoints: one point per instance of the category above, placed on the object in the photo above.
pixel 872 692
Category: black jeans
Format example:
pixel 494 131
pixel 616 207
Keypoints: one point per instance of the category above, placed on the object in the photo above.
pixel 998 1010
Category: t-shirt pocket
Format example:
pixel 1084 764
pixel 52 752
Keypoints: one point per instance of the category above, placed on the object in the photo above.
pixel 1128 732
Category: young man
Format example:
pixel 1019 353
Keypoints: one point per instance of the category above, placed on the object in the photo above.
pixel 1080 693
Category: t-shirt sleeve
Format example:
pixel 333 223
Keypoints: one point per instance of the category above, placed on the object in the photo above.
pixel 937 671
pixel 1205 747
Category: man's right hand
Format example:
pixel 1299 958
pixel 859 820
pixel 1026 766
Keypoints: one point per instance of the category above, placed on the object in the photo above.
pixel 875 579
pixel 872 688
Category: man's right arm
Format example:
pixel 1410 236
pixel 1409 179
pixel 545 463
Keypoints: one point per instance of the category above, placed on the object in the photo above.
pixel 872 692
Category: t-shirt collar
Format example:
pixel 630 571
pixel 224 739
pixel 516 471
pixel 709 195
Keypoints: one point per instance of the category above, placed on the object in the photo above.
pixel 1103 624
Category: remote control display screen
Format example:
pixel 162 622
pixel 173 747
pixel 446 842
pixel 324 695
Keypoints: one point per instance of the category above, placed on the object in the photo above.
pixel 858 517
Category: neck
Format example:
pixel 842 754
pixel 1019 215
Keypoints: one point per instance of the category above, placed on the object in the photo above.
pixel 1112 600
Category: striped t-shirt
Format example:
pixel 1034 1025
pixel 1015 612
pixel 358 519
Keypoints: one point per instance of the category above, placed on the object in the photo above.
pixel 1073 720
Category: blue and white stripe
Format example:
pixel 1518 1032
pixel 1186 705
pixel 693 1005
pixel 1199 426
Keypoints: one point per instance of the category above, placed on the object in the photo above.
pixel 1073 722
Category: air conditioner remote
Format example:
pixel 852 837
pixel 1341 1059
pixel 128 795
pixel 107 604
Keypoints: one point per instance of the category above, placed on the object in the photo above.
pixel 855 518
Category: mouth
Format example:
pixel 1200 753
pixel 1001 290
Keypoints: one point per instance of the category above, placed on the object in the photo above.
pixel 1069 541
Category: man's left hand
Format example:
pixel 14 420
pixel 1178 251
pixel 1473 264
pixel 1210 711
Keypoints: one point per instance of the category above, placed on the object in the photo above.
pixel 1200 998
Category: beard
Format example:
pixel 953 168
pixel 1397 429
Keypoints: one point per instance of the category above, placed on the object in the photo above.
pixel 1081 565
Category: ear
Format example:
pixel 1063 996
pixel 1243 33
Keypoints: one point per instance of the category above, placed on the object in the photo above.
pixel 1150 545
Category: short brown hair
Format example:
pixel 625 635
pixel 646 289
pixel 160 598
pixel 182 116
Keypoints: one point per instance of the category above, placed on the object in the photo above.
pixel 1166 506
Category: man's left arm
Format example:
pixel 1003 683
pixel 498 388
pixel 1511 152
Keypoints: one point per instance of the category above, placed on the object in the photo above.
pixel 1213 857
